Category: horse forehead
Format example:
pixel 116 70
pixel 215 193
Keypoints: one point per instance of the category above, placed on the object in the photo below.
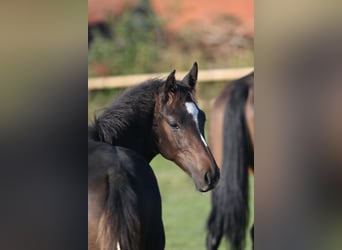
pixel 192 109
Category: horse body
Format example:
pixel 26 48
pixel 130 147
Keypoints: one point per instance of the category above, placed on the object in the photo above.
pixel 232 140
pixel 123 199
pixel 123 194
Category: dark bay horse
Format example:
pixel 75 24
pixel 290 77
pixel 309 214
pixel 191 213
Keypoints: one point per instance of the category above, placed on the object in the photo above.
pixel 157 116
pixel 231 135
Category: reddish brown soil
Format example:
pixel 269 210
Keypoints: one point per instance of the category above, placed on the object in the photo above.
pixel 181 13
pixel 98 10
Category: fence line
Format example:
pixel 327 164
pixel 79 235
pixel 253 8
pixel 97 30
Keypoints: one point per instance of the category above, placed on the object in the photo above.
pixel 131 80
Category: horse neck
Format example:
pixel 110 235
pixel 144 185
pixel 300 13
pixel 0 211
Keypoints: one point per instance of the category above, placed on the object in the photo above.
pixel 139 136
pixel 130 124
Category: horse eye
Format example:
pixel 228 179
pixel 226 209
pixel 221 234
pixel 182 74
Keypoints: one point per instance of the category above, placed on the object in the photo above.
pixel 174 124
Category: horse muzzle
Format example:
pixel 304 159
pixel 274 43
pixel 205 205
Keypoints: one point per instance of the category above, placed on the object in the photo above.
pixel 209 180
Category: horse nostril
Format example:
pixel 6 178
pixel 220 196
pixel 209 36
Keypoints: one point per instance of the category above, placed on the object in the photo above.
pixel 207 178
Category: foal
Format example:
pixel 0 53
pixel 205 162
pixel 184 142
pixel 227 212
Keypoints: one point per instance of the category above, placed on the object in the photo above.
pixel 158 116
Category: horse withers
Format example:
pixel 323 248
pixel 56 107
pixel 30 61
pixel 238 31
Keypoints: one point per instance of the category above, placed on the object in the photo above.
pixel 157 116
pixel 231 134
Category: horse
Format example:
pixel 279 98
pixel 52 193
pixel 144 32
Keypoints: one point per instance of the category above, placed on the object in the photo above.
pixel 231 138
pixel 156 117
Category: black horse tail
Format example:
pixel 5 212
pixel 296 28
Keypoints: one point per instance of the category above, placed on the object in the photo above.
pixel 229 215
pixel 237 155
pixel 119 227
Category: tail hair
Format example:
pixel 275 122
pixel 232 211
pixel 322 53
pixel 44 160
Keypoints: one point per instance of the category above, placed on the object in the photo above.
pixel 238 153
pixel 229 209
pixel 119 226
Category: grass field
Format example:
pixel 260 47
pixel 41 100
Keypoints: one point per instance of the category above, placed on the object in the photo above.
pixel 184 208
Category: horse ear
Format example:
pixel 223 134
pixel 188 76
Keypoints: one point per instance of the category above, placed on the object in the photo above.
pixel 191 78
pixel 170 84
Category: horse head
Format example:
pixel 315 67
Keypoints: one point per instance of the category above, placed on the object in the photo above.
pixel 179 130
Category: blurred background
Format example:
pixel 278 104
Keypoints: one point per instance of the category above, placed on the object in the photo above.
pixel 144 36
pixel 132 37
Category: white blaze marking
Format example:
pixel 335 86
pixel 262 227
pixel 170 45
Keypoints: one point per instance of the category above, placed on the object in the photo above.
pixel 193 110
pixel 205 143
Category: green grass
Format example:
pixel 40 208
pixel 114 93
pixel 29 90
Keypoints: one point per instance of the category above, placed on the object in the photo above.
pixel 185 210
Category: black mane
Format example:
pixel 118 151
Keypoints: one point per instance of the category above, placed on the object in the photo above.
pixel 127 121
